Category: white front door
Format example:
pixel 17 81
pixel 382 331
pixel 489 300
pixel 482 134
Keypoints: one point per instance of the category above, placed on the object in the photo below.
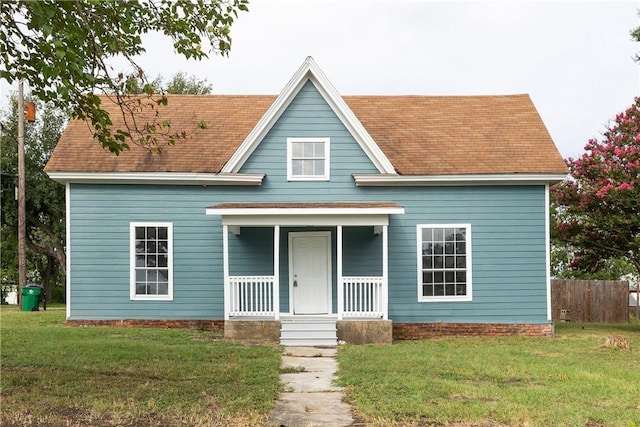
pixel 310 272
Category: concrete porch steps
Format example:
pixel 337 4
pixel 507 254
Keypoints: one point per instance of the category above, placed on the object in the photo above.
pixel 308 332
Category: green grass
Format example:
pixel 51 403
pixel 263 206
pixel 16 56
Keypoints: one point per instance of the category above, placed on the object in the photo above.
pixel 570 380
pixel 56 375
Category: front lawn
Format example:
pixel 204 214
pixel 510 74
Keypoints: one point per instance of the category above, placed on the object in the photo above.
pixel 54 375
pixel 570 380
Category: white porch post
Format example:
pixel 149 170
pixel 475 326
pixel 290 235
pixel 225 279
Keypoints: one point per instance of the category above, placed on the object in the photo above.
pixel 339 286
pixel 385 273
pixel 276 271
pixel 225 266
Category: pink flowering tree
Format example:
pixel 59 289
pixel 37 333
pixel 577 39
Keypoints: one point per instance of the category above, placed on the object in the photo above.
pixel 597 209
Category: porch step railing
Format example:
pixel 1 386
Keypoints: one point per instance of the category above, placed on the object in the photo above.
pixel 251 295
pixel 363 296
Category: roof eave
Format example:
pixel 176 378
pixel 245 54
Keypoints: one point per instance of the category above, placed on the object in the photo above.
pixel 384 180
pixel 157 178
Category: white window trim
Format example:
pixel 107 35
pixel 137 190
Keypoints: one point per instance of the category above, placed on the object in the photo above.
pixel 132 261
pixel 469 295
pixel 327 162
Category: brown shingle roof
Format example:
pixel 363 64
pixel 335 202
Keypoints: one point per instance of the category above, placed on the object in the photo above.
pixel 420 135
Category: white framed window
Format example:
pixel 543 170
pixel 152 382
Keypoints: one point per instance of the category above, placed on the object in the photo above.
pixel 308 159
pixel 444 262
pixel 151 250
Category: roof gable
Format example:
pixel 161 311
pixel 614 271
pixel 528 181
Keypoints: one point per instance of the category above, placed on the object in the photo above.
pixel 309 71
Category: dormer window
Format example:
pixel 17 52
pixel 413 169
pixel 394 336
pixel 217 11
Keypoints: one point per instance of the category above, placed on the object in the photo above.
pixel 308 159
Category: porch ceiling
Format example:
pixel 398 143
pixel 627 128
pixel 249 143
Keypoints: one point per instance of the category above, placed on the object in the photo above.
pixel 326 214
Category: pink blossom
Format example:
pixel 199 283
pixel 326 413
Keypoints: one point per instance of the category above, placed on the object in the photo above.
pixel 604 190
pixel 625 186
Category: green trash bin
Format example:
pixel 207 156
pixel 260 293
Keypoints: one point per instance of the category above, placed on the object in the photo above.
pixel 31 297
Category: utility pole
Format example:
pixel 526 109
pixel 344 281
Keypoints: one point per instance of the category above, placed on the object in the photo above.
pixel 22 230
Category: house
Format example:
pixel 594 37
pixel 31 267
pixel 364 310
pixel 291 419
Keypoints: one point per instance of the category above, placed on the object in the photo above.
pixel 310 216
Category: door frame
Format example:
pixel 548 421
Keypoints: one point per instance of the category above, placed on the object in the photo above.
pixel 326 234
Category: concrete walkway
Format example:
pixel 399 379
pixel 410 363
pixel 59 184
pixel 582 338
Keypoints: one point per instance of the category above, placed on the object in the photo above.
pixel 310 398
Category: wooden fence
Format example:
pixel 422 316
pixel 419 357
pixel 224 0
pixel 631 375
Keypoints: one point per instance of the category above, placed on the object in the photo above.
pixel 597 301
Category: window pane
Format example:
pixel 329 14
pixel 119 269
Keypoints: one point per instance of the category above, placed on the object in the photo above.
pixel 296 149
pixel 318 149
pixel 427 248
pixel 438 234
pixel 152 261
pixel 461 262
pixel 450 289
pixel 318 167
pixel 449 261
pixel 141 288
pixel 449 234
pixel 296 167
pixel 427 236
pixel 162 261
pixel 307 149
pixel 152 289
pixel 461 276
pixel 438 290
pixel 461 247
pixel 163 275
pixel 427 290
pixel 438 262
pixel 152 276
pixel 162 246
pixel 151 247
pixel 461 289
pixel 151 232
pixel 140 246
pixel 307 167
pixel 449 248
pixel 438 248
pixel 461 234
pixel 163 288
pixel 427 262
pixel 140 261
pixel 163 233
pixel 140 233
pixel 449 276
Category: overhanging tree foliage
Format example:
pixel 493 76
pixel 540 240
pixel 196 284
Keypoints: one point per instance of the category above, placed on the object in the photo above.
pixel 63 48
pixel 45 198
pixel 597 210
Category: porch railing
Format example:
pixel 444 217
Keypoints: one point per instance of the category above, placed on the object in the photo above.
pixel 363 296
pixel 251 295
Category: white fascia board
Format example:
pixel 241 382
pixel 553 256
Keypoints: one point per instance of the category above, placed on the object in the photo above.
pixel 309 70
pixel 304 220
pixel 161 178
pixel 365 180
pixel 305 211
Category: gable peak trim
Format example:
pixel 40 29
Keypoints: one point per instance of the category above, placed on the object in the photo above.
pixel 309 71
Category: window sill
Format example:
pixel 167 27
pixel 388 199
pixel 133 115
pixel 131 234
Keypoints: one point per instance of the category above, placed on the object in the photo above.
pixel 445 299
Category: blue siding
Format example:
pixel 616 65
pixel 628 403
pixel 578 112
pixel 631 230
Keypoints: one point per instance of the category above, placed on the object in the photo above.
pixel 508 223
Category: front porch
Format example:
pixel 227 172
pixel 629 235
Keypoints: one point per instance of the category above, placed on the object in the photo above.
pixel 306 273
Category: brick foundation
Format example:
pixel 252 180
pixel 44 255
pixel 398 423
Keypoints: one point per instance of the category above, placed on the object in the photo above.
pixel 203 325
pixel 414 331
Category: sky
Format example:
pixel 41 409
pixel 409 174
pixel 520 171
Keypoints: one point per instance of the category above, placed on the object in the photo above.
pixel 574 58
